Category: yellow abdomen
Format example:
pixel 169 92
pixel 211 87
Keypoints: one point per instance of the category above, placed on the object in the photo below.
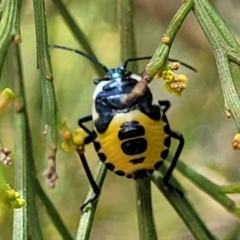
pixel 133 144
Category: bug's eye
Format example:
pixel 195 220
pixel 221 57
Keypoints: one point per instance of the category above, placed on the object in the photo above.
pixel 96 81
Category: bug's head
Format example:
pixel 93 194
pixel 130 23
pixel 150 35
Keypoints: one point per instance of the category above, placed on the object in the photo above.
pixel 120 73
pixel 115 74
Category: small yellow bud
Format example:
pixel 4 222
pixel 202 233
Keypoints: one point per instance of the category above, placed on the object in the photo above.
pixel 18 203
pixel 181 78
pixel 5 97
pixel 79 137
pixel 8 93
pixel 165 39
pixel 236 142
pixel 67 135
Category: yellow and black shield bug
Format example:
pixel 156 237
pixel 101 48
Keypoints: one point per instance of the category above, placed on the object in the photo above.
pixel 131 140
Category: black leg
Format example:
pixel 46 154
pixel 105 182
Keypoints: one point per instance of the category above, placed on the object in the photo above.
pixel 165 105
pixel 92 182
pixel 83 120
pixel 83 159
pixel 168 174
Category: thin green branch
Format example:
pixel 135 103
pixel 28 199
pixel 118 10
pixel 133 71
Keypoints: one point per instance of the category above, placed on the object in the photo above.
pixel 222 28
pixel 143 188
pixel 212 189
pixel 86 220
pixel 48 96
pixel 9 26
pixel 20 143
pixel 230 189
pixel 233 56
pixel 24 163
pixel 52 212
pixel 220 49
pixel 77 33
pixel 161 54
pixel 183 208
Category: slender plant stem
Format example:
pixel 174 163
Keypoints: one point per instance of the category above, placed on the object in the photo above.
pixel 230 189
pixel 220 49
pixel 222 28
pixel 77 33
pixel 53 213
pixel 162 52
pixel 86 220
pixel 212 189
pixel 49 100
pixel 143 188
pixel 9 26
pixel 24 162
pixel 20 219
pixel 183 208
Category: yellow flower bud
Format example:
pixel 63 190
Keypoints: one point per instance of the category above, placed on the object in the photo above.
pixel 67 135
pixel 236 142
pixel 5 97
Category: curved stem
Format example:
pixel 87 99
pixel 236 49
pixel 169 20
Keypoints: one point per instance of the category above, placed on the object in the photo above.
pixel 220 49
pixel 161 54
pixel 9 26
pixel 49 105
pixel 86 221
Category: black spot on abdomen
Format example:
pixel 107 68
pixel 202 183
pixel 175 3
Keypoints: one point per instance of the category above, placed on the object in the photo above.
pixel 134 146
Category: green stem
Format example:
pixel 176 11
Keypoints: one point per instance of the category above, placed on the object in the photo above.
pixel 24 162
pixel 213 190
pixel 9 26
pixel 233 57
pixel 220 48
pixel 49 100
pixel 146 226
pixel 77 33
pixel 230 189
pixel 183 208
pixel 143 190
pixel 20 143
pixel 53 213
pixel 222 29
pixel 161 54
pixel 86 220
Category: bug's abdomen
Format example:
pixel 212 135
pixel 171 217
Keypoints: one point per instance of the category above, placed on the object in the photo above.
pixel 133 144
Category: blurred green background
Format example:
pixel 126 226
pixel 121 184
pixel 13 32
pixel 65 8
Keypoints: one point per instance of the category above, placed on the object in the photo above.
pixel 198 114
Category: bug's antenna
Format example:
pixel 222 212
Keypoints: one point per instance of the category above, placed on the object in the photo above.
pixel 149 57
pixel 182 63
pixel 81 53
pixel 135 59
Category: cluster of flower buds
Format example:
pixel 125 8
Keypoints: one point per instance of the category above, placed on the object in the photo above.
pixel 5 156
pixel 73 140
pixel 174 83
pixel 10 198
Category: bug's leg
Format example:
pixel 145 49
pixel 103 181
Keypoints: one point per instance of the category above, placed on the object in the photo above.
pixel 83 159
pixel 165 105
pixel 178 136
pixel 91 180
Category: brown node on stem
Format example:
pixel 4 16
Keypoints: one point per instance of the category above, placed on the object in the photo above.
pixel 18 104
pixel 236 142
pixel 227 111
pixel 165 39
pixel 175 66
pixel 50 173
pixel 49 77
pixel 17 39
